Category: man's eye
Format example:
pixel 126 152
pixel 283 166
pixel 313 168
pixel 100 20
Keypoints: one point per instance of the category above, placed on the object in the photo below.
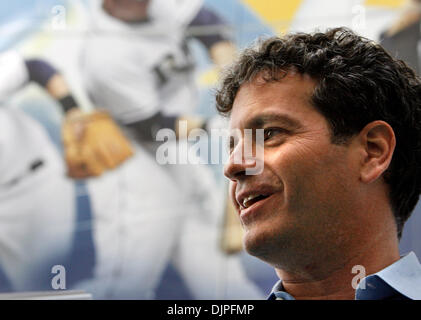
pixel 271 132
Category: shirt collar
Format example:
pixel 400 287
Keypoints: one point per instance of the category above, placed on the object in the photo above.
pixel 401 279
pixel 278 293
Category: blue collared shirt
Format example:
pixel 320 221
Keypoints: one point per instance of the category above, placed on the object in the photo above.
pixel 399 281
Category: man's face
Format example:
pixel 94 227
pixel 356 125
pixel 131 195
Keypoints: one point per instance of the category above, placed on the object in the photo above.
pixel 307 184
pixel 127 10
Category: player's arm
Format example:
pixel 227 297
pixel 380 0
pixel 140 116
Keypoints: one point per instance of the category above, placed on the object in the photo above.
pixel 47 76
pixel 182 125
pixel 92 142
pixel 218 43
pixel 410 15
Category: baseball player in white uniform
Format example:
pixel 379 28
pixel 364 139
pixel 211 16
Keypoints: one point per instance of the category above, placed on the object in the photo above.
pixel 36 199
pixel 147 215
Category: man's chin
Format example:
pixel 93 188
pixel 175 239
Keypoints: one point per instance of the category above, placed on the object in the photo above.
pixel 258 245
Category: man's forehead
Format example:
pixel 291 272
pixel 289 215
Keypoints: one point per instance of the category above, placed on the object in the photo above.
pixel 260 101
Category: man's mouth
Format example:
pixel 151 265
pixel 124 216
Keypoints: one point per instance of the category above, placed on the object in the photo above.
pixel 252 199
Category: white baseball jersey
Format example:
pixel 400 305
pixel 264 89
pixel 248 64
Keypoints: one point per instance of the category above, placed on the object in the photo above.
pixel 136 70
pixel 36 200
pixel 146 214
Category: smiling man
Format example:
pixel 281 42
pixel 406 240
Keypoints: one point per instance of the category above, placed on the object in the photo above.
pixel 341 153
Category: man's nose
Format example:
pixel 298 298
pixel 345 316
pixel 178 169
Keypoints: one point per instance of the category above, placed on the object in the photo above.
pixel 237 164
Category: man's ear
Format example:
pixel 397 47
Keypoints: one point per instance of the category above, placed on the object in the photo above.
pixel 378 142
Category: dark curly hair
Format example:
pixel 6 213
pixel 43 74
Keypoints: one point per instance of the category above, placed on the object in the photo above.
pixel 357 82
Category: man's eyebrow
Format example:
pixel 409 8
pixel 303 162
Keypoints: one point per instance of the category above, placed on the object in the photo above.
pixel 261 120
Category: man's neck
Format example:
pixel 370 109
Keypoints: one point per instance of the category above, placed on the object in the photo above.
pixel 337 281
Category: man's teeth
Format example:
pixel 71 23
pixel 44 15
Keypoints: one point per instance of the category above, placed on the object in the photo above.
pixel 247 199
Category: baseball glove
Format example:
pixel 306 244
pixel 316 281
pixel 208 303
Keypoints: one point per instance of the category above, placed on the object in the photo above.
pixel 93 143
